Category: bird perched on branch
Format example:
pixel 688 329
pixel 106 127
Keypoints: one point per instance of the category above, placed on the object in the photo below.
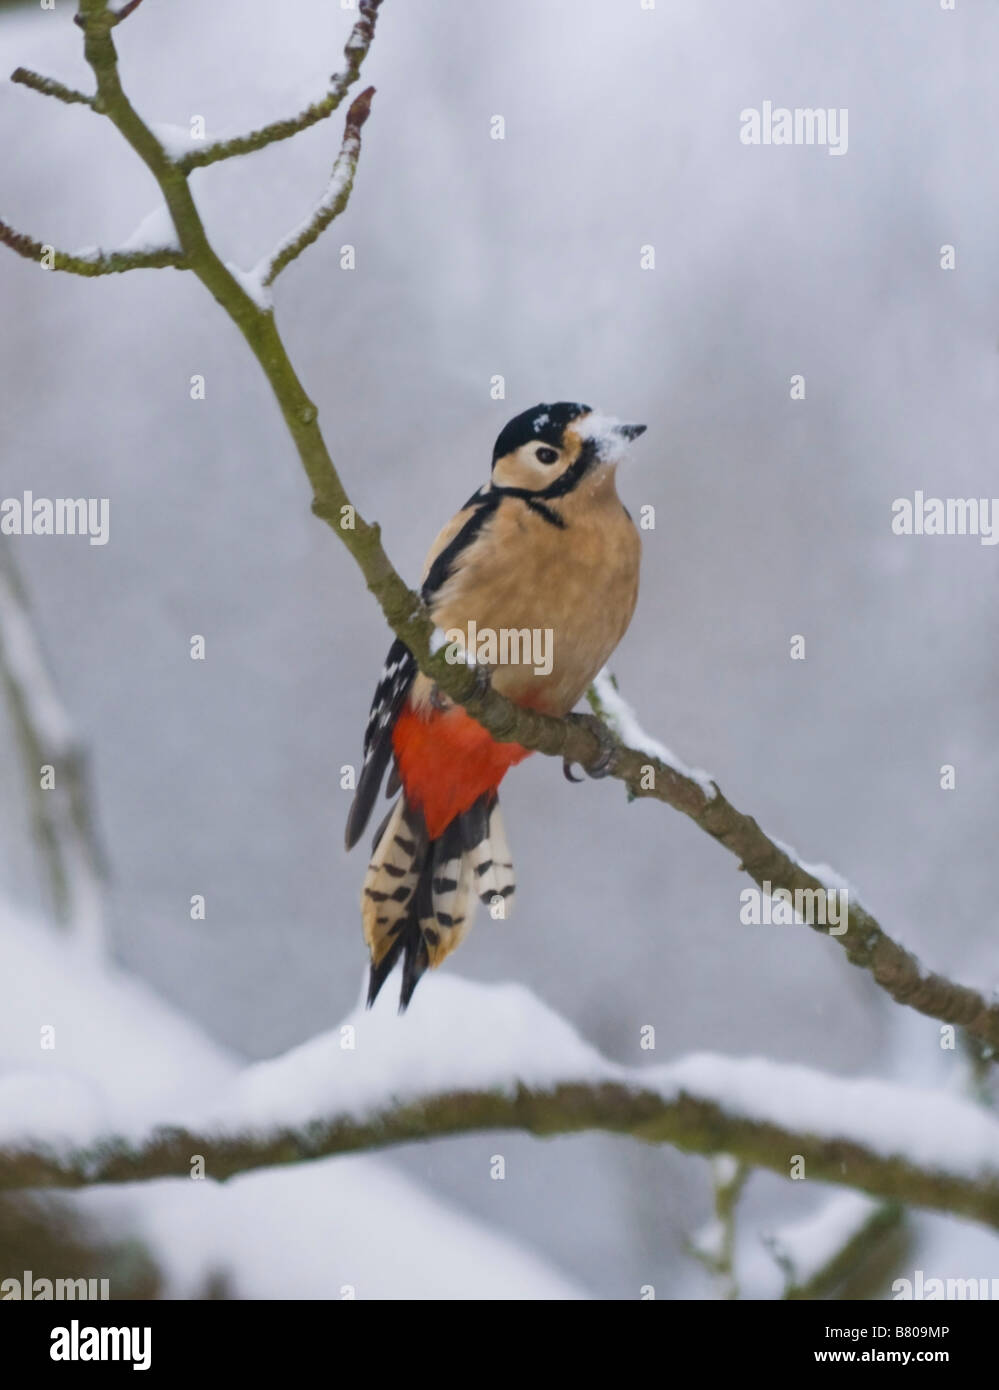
pixel 537 577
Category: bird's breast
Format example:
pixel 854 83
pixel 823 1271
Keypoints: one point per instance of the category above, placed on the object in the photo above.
pixel 543 606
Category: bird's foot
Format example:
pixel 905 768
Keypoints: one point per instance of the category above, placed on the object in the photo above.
pixel 609 746
pixel 483 679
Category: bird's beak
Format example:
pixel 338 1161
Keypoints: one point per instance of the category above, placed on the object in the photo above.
pixel 609 437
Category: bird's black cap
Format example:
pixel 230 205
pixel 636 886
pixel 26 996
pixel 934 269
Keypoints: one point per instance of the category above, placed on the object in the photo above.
pixel 544 422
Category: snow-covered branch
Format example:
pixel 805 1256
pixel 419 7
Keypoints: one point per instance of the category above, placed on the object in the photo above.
pixel 818 1254
pixel 334 200
pixel 606 701
pixel 89 263
pixel 379 1080
pixel 354 52
pixel 123 1059
pixel 649 769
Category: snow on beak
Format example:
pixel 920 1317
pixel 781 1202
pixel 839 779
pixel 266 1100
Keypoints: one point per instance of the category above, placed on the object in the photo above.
pixel 611 437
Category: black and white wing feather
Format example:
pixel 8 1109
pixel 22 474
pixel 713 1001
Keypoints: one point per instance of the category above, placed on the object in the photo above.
pixel 390 694
pixel 400 668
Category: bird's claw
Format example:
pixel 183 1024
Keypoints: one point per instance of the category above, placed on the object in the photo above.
pixel 609 745
pixel 482 679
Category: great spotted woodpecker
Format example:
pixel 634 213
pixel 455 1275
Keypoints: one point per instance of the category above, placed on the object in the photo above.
pixel 545 547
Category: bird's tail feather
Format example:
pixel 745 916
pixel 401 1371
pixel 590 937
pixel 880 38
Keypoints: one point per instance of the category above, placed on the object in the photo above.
pixel 418 899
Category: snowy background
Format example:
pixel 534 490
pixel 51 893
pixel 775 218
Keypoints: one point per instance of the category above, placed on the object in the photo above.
pixel 521 257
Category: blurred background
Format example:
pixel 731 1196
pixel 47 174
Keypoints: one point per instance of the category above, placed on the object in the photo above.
pixel 522 258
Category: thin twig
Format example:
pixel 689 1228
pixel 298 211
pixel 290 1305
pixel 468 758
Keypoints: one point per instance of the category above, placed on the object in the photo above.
pixel 49 87
pixel 100 263
pixel 714 1246
pixel 355 51
pixel 62 811
pixel 337 193
pixel 101 10
pixel 126 10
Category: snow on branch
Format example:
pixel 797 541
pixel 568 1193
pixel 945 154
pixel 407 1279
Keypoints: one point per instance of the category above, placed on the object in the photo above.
pixel 769 861
pixel 772 865
pixel 62 813
pixel 821 1252
pixel 606 700
pixel 130 1057
pixel 334 200
pixel 92 261
pixel 355 51
pixel 520 1067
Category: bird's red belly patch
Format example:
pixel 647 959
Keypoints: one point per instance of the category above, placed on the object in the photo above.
pixel 446 761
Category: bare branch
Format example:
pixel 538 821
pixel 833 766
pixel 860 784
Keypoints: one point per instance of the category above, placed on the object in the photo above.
pixel 97 263
pixel 337 194
pixel 63 817
pixel 101 10
pixel 355 51
pixel 125 10
pixel 49 87
pixel 696 1122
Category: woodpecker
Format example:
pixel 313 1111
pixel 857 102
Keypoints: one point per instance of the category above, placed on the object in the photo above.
pixel 545 546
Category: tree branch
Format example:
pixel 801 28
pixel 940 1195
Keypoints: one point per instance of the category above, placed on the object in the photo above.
pixel 337 194
pixel 102 11
pixel 128 8
pixel 49 87
pixel 355 51
pixel 580 739
pixel 689 1119
pixel 63 817
pixel 862 1246
pixel 98 263
pixel 714 1245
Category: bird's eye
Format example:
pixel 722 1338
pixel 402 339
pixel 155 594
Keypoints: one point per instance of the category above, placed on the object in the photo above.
pixel 546 455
